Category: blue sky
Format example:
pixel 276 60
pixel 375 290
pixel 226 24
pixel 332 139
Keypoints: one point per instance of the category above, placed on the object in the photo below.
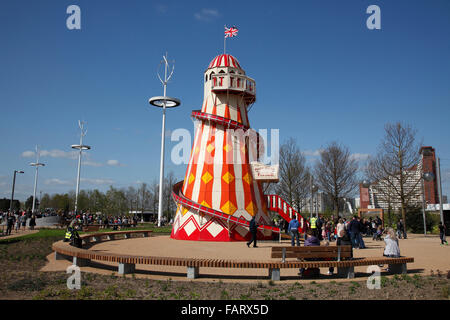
pixel 321 75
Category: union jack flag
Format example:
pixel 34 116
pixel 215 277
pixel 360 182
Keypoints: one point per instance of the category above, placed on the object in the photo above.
pixel 231 32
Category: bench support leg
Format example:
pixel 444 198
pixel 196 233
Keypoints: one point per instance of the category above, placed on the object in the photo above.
pixel 274 274
pixel 125 268
pixel 347 272
pixel 111 237
pixel 192 272
pixel 59 256
pixel 398 268
pixel 80 262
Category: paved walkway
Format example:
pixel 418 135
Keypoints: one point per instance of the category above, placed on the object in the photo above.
pixel 428 254
pixel 15 234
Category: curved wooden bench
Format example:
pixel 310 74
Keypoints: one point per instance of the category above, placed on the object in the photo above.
pixel 343 253
pixel 127 263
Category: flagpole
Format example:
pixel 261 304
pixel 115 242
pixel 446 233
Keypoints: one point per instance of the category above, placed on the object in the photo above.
pixel 224 41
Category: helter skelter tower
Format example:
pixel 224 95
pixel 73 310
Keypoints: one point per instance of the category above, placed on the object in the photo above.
pixel 219 196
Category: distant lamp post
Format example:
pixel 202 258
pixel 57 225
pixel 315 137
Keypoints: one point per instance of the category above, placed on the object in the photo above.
pixel 439 183
pixel 313 189
pixel 11 207
pixel 366 183
pixel 427 176
pixel 80 147
pixel 163 102
pixel 36 164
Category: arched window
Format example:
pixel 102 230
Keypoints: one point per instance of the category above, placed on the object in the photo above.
pixel 221 71
pixel 210 75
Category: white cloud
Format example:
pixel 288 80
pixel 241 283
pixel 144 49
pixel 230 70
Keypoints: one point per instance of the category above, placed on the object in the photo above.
pixel 206 14
pixel 55 153
pixel 58 182
pixel 114 163
pixel 92 163
pixel 359 156
pixel 97 181
pixel 28 154
pixel 311 153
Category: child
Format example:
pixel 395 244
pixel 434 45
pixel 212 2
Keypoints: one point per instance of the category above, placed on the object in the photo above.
pixel 379 233
pixel 18 223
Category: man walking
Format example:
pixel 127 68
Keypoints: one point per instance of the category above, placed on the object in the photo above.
pixel 442 234
pixel 254 230
pixel 354 229
pixel 401 229
pixel 293 229
pixel 10 223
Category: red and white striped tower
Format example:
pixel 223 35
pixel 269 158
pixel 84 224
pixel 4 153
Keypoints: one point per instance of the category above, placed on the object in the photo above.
pixel 218 196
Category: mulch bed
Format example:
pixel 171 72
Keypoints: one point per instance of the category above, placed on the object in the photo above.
pixel 21 260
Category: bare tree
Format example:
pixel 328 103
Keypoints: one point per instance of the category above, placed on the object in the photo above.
pixel 131 198
pixel 394 170
pixel 154 192
pixel 293 174
pixel 335 172
pixel 144 197
pixel 169 206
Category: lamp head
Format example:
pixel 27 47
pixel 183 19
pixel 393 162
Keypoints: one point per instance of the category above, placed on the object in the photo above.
pixel 366 183
pixel 428 176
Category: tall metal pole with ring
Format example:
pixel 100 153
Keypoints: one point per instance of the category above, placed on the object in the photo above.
pixel 80 147
pixel 163 102
pixel 36 164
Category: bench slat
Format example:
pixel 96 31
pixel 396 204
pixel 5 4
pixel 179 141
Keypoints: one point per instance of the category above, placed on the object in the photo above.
pixel 314 249
pixel 310 255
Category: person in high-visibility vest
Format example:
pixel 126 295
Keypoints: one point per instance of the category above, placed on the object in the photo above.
pixel 72 234
pixel 68 235
pixel 313 225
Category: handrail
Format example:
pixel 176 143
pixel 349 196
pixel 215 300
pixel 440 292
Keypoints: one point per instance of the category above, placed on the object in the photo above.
pixel 279 205
pixel 226 81
pixel 181 199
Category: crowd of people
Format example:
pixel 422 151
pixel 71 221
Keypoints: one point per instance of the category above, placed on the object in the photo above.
pixel 17 221
pixel 344 232
pixel 103 220
pixel 329 228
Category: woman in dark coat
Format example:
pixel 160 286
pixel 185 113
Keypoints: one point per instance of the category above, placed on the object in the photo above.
pixel 32 222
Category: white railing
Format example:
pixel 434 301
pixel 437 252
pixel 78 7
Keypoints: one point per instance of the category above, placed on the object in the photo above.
pixel 231 81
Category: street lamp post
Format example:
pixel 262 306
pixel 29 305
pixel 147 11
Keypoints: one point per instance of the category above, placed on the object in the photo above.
pixel 80 147
pixel 313 189
pixel 441 203
pixel 12 193
pixel 36 164
pixel 426 176
pixel 163 102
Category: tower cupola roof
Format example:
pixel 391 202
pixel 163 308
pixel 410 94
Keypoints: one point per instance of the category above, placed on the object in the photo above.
pixel 224 60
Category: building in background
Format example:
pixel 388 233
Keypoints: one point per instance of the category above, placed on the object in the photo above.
pixel 376 196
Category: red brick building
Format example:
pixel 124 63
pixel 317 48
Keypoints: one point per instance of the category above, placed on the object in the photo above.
pixel 430 187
